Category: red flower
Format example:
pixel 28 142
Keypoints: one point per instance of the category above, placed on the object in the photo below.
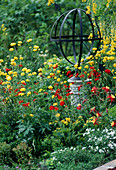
pixel 59 97
pixel 68 73
pixel 107 71
pixel 111 98
pixel 79 87
pixel 56 84
pixel 55 108
pixel 1 81
pixel 68 90
pixel 65 86
pixel 79 106
pixel 62 103
pixel 98 114
pixel 16 90
pixel 7 69
pixel 18 93
pixel 89 82
pixel 98 75
pixel 95 121
pixel 77 75
pixel 45 93
pixel 96 79
pixel 55 66
pixel 18 82
pixel 67 94
pixel 35 92
pixel 92 67
pixel 34 99
pixel 26 104
pixel 71 76
pixel 106 89
pixel 51 107
pixel 20 65
pixel 21 101
pixel 84 100
pixel 24 83
pixel 82 75
pixel 92 109
pixel 94 89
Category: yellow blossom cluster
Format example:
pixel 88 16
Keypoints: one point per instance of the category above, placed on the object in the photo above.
pixel 50 2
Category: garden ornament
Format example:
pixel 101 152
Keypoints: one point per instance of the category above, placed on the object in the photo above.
pixel 78 37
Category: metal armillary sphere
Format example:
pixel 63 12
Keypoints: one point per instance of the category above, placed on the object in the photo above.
pixel 75 23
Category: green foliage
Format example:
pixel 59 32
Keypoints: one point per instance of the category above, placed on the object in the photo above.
pixel 5 153
pixel 74 158
pixel 112 112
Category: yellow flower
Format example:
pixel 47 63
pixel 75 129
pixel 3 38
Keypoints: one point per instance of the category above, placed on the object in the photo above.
pixel 52 96
pixel 65 81
pixel 2 25
pixel 15 74
pixel 88 10
pixel 50 2
pixel 40 69
pixel 22 81
pixel 29 40
pixel 50 87
pixel 58 79
pixel 55 77
pixel 1 60
pixel 86 67
pixel 40 74
pixel 48 77
pixel 10 72
pixel 50 61
pixel 22 89
pixel 21 58
pixel 76 65
pixel 28 93
pixel 11 49
pixel 16 58
pixel 54 104
pixel 27 80
pixel 34 73
pixel 114 65
pixel 13 44
pixel 34 49
pixel 21 94
pixel 112 96
pixel 114 77
pixel 40 90
pixel 94 49
pixel 67 119
pixel 28 70
pixel 57 115
pixel 50 65
pixel 22 74
pixel 8 86
pixel 22 121
pixel 31 115
pixel 29 74
pixel 24 69
pixel 8 78
pixel 35 46
pixel 80 68
pixel 19 42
